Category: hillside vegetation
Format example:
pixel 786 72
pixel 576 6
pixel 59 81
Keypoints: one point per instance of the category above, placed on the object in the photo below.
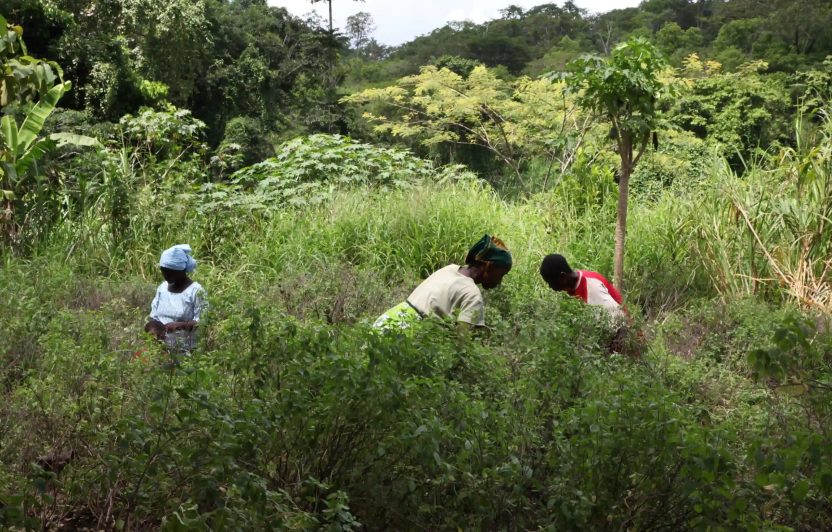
pixel 314 203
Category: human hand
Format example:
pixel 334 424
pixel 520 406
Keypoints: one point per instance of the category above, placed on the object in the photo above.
pixel 156 328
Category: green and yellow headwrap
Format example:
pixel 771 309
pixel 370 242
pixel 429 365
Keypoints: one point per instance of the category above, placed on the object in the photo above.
pixel 489 249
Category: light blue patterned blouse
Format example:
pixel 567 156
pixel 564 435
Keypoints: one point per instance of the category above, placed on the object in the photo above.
pixel 188 305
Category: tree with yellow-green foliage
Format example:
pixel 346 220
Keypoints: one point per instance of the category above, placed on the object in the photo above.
pixel 515 120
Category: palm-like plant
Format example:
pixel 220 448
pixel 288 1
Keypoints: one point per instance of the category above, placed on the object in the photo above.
pixel 24 78
pixel 625 89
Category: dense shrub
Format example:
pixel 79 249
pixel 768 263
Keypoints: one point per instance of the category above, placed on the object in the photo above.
pixel 745 112
pixel 294 415
pixel 249 135
pixel 280 422
pixel 678 164
pixel 307 170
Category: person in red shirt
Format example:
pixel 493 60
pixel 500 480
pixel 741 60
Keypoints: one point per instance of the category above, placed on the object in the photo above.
pixel 591 287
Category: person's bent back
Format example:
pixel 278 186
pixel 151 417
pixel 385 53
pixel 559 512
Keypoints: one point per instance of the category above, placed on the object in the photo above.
pixel 452 291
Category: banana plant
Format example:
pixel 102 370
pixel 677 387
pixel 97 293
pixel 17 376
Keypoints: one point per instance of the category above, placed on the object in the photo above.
pixel 22 146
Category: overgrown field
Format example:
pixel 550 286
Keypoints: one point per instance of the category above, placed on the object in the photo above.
pixel 294 415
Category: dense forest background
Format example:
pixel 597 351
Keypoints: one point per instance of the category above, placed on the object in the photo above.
pixel 320 176
pixel 245 67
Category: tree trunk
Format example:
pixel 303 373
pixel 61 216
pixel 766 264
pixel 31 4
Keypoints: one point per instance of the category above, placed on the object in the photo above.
pixel 330 17
pixel 626 154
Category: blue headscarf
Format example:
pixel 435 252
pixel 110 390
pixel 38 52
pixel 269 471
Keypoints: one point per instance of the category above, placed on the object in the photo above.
pixel 178 257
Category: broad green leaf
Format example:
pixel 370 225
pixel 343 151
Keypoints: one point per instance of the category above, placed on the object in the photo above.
pixel 64 139
pixel 34 120
pixel 34 153
pixel 8 128
pixel 9 171
pixel 800 490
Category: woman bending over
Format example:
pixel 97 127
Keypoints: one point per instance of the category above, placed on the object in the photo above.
pixel 452 291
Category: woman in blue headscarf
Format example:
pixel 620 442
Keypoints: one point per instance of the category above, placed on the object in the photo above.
pixel 179 301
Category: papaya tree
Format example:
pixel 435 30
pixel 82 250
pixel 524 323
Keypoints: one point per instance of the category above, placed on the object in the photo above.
pixel 623 88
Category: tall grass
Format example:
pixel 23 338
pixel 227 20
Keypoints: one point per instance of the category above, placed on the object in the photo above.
pixel 399 237
pixel 767 232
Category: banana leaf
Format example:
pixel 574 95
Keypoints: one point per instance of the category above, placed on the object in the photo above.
pixel 64 139
pixel 8 131
pixel 33 123
pixel 33 154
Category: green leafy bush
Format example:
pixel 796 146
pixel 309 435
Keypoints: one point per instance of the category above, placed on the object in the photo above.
pixel 251 138
pixel 308 170
pixel 742 111
pixel 285 423
pixel 293 414
pixel 678 165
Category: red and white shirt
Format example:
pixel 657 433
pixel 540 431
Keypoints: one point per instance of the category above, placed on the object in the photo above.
pixel 594 289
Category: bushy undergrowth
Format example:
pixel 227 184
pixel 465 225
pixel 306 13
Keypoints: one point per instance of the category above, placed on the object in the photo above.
pixel 300 424
pixel 308 170
pixel 294 415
